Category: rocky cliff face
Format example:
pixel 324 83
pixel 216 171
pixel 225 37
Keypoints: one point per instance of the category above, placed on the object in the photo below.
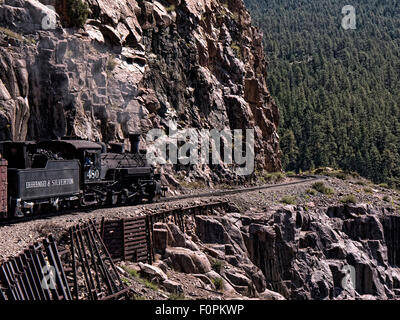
pixel 344 252
pixel 289 252
pixel 134 66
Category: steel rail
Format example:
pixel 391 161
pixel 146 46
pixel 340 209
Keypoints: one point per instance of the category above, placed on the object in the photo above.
pixel 219 193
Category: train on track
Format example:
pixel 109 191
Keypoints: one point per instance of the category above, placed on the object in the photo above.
pixel 71 173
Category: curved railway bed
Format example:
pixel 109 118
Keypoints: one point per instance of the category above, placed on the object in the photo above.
pixel 216 193
pixel 301 179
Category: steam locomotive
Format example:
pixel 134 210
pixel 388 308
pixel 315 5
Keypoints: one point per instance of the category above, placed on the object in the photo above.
pixel 71 173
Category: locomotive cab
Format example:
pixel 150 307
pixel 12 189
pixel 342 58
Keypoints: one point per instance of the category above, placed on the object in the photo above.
pixel 91 166
pixel 87 152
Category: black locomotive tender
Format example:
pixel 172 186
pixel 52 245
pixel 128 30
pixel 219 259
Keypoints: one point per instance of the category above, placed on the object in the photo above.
pixel 75 173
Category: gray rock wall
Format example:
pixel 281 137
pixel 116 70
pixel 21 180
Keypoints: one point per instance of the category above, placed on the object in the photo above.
pixel 134 66
pixel 306 255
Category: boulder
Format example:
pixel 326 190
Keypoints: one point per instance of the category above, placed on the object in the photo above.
pixel 152 273
pixel 162 265
pixel 271 295
pixel 191 245
pixel 150 100
pixel 336 212
pixel 240 282
pixel 237 278
pixel 348 211
pixel 34 16
pixel 172 286
pixel 226 286
pixel 357 209
pixel 111 35
pixel 215 250
pixel 335 251
pixel 94 33
pixel 170 235
pixel 233 260
pixel 187 261
pixel 4 94
pixel 206 280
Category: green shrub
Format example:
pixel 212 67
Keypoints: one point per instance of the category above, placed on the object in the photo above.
pixel 349 199
pixel 320 187
pixel 218 283
pixel 78 12
pixel 336 173
pixel 354 174
pixel 176 296
pixel 170 8
pixel 340 175
pixel 111 64
pixel 277 176
pixel 135 274
pixel 313 192
pixel 137 297
pixel 270 177
pixel 132 272
pixel 150 285
pixel 368 190
pixel 289 200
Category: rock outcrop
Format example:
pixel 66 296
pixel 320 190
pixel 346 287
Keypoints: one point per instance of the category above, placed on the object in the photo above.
pixel 289 252
pixel 134 66
pixel 346 252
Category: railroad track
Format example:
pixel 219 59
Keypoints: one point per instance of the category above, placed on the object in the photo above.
pixel 218 193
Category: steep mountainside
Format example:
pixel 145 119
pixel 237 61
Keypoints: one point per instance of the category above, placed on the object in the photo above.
pixel 132 67
pixel 337 89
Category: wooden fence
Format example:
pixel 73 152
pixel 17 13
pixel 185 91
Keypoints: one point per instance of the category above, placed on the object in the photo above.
pixel 127 239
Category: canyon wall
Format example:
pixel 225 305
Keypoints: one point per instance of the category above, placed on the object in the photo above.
pixel 134 66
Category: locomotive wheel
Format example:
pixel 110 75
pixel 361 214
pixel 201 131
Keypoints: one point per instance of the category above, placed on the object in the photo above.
pixel 136 200
pixel 18 213
pixel 74 204
pixel 112 198
pixel 123 197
